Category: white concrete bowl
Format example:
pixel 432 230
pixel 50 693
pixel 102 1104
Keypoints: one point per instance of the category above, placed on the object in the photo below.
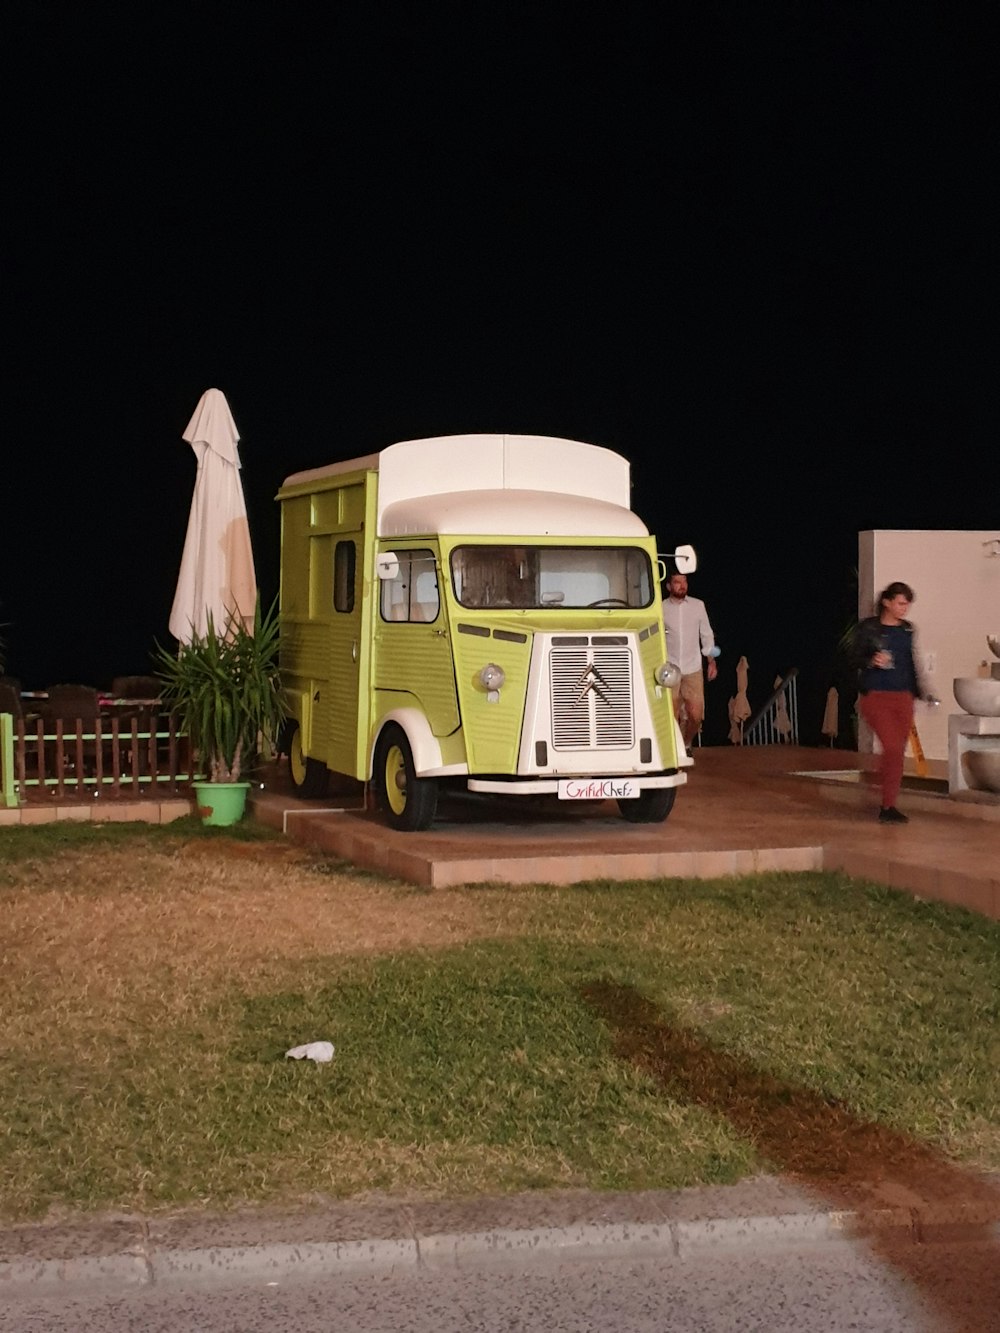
pixel 978 695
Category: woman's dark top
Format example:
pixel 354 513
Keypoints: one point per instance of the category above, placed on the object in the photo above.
pixel 902 677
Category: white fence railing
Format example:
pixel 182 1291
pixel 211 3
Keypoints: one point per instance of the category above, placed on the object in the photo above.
pixel 776 722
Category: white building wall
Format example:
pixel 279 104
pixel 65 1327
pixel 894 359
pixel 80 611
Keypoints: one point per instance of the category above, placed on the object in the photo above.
pixel 956 579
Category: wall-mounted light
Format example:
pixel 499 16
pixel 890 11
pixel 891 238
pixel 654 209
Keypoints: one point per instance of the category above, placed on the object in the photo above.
pixel 992 547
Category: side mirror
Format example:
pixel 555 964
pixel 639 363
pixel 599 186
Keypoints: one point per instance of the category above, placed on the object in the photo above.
pixel 387 565
pixel 684 558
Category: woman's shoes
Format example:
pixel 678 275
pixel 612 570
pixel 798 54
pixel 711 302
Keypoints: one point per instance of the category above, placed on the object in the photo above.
pixel 890 815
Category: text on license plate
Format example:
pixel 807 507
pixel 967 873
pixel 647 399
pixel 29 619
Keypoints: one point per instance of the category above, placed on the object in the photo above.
pixel 598 789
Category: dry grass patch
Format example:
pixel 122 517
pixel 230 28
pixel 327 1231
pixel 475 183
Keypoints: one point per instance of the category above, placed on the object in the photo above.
pixel 100 922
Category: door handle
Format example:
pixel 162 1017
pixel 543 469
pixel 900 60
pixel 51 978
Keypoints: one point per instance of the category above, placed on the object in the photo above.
pixel 354 651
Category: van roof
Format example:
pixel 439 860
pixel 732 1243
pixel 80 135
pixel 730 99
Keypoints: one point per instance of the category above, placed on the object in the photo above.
pixel 447 463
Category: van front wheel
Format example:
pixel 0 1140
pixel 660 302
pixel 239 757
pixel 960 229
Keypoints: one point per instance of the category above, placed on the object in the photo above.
pixel 651 807
pixel 408 802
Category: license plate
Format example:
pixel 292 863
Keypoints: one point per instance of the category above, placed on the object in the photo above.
pixel 598 789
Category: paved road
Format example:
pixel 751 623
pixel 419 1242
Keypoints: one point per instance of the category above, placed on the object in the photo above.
pixel 819 1288
pixel 764 1254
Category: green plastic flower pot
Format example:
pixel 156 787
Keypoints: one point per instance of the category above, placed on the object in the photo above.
pixel 221 803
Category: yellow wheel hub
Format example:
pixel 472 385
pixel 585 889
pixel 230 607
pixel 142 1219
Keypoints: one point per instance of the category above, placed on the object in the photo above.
pixel 296 759
pixel 395 779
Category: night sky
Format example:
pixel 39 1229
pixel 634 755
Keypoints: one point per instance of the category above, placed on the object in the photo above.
pixel 745 246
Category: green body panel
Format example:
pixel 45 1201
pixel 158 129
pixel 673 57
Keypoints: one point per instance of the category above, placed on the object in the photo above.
pixel 492 730
pixel 653 651
pixel 325 653
pixel 417 657
pixel 388 701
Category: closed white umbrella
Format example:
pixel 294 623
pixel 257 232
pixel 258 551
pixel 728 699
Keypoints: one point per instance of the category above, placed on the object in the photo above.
pixel 739 705
pixel 831 715
pixel 217 577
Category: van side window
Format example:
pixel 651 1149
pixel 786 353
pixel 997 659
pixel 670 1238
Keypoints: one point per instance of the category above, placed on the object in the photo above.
pixel 413 594
pixel 344 561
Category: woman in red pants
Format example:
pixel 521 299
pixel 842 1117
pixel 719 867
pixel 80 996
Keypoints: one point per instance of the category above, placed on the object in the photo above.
pixel 889 682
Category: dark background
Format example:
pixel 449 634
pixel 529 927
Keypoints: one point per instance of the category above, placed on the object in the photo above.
pixel 746 246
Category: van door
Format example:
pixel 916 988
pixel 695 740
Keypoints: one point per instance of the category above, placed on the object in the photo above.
pixel 339 601
pixel 412 651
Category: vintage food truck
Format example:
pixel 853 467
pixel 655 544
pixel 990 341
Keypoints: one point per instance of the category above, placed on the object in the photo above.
pixel 479 610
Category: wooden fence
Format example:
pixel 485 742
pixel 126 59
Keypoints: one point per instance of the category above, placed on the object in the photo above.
pixel 147 757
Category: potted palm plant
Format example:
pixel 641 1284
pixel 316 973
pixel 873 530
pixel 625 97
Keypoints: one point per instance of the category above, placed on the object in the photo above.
pixel 225 688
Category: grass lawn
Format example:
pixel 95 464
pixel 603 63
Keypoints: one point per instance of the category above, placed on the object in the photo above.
pixel 488 1039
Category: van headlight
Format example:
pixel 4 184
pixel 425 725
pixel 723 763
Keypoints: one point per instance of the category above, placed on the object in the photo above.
pixel 492 676
pixel 667 674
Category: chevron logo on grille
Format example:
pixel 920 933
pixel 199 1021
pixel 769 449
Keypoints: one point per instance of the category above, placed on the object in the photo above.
pixel 593 682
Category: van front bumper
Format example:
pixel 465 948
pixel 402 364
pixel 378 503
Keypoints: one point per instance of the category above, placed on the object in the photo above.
pixel 550 786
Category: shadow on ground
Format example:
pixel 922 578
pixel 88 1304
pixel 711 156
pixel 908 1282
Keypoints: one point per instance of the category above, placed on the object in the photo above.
pixel 816 1140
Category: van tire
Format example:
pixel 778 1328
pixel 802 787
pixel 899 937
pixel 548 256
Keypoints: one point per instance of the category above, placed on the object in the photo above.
pixel 310 778
pixel 651 807
pixel 408 803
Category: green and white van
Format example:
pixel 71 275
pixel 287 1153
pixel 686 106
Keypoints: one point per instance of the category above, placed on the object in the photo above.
pixel 481 611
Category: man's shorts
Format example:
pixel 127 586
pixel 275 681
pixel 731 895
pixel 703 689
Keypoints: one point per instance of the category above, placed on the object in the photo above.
pixel 691 692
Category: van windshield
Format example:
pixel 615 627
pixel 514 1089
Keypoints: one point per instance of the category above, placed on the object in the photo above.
pixel 553 577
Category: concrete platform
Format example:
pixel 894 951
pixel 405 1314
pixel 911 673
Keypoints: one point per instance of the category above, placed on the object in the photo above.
pixel 755 808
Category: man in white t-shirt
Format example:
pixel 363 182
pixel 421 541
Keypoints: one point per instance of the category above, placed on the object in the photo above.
pixel 690 638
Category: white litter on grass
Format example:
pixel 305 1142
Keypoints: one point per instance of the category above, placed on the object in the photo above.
pixel 320 1051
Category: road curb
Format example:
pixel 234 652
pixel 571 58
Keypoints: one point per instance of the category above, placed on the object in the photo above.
pixel 146 1264
pixel 86 1272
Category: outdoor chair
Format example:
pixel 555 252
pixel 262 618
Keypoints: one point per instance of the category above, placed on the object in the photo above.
pixel 142 714
pixel 21 705
pixel 10 700
pixel 78 709
pixel 62 699
pixel 136 687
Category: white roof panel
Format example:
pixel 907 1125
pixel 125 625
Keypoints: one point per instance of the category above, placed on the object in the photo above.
pixel 508 513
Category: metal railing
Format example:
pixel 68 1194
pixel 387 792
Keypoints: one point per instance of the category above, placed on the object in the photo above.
pixel 776 721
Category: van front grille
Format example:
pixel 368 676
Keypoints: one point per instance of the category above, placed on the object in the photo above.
pixel 591 698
